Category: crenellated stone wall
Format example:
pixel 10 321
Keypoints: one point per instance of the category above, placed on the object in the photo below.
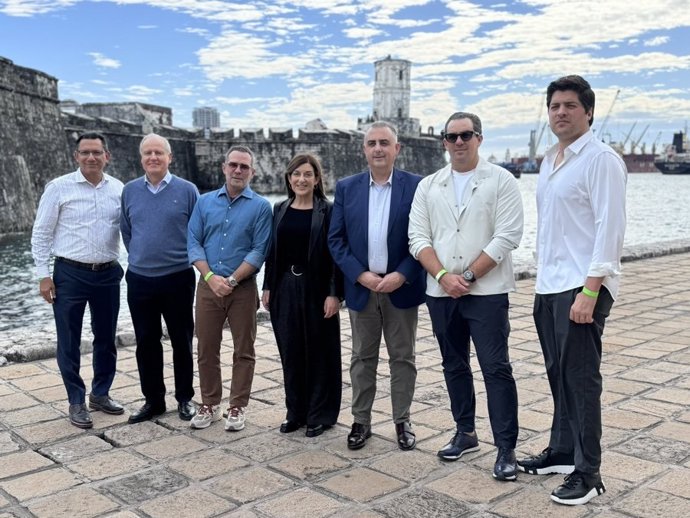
pixel 37 140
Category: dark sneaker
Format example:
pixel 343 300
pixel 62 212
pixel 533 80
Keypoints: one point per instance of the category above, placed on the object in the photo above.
pixel 548 461
pixel 460 444
pixel 506 465
pixel 578 488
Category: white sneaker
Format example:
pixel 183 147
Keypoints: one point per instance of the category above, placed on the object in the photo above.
pixel 235 420
pixel 206 415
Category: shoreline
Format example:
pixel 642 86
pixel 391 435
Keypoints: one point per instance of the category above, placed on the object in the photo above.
pixel 23 349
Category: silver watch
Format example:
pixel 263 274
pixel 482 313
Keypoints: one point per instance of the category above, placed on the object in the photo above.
pixel 232 282
pixel 468 275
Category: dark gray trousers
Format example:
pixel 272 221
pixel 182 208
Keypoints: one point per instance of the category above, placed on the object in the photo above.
pixel 572 354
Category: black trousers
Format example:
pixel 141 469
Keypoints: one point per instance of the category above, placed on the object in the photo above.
pixel 172 297
pixel 484 318
pixel 309 346
pixel 572 354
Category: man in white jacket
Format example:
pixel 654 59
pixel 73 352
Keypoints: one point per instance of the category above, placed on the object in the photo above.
pixel 465 220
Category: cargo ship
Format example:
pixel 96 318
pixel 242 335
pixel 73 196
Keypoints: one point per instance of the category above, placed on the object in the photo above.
pixel 676 157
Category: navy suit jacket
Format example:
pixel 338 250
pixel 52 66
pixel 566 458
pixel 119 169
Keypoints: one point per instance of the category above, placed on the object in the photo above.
pixel 348 239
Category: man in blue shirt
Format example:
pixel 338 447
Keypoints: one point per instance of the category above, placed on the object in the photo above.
pixel 160 281
pixel 228 238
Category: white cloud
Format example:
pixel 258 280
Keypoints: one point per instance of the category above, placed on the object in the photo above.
pixel 656 41
pixel 103 61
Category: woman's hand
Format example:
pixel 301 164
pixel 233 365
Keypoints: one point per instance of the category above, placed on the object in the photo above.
pixel 265 297
pixel 331 306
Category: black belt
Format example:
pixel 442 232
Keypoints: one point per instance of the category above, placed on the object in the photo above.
pixel 94 267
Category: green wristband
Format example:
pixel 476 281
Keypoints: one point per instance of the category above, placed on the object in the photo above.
pixel 208 276
pixel 590 293
pixel 440 274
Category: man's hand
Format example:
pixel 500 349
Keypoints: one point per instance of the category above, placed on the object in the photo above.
pixel 454 285
pixel 47 289
pixel 369 280
pixel 390 282
pixel 219 287
pixel 330 306
pixel 265 299
pixel 582 309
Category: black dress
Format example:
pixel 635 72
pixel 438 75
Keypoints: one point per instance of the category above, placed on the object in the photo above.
pixel 300 274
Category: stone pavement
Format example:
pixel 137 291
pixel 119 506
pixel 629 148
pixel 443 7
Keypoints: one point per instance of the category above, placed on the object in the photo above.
pixel 49 468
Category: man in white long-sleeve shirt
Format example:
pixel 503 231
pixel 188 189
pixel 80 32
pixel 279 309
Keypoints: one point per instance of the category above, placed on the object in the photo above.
pixel 581 223
pixel 78 222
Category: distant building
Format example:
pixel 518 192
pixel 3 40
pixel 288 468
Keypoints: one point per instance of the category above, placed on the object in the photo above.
pixel 392 97
pixel 206 117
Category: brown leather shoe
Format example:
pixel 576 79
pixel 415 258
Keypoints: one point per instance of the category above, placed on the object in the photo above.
pixel 406 437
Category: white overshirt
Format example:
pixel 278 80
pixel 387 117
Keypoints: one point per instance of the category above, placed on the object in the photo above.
pixel 581 216
pixel 379 212
pixel 489 220
pixel 77 221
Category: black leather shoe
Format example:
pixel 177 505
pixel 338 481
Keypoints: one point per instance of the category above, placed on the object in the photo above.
pixel 186 410
pixel 80 416
pixel 406 437
pixel 105 404
pixel 288 426
pixel 506 465
pixel 146 413
pixel 315 430
pixel 357 438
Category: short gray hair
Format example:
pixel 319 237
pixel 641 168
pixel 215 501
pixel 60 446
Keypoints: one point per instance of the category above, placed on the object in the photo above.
pixel 241 149
pixel 166 142
pixel 382 124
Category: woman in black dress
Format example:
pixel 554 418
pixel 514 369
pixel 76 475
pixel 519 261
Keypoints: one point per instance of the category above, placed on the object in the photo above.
pixel 302 290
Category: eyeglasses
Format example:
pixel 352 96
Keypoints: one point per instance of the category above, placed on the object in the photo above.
pixel 464 136
pixel 85 154
pixel 234 165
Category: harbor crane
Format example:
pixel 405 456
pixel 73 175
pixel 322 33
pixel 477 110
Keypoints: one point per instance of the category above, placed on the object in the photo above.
pixel 601 129
pixel 633 145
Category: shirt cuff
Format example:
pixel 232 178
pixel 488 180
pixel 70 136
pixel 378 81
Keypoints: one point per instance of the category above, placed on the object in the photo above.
pixel 604 269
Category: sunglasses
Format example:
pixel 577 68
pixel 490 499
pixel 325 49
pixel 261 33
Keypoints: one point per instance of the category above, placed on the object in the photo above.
pixel 464 136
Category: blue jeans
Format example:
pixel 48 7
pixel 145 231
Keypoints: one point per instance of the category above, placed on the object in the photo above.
pixel 74 288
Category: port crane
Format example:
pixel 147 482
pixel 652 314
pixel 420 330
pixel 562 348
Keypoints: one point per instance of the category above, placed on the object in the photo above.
pixel 601 129
pixel 634 144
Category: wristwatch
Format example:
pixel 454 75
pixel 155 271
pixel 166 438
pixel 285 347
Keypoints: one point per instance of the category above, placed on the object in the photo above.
pixel 468 275
pixel 232 282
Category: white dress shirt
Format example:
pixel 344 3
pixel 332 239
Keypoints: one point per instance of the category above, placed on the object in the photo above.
pixel 489 219
pixel 77 221
pixel 581 216
pixel 379 212
pixel 161 185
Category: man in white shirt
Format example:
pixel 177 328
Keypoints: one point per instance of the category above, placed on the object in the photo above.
pixel 465 220
pixel 581 224
pixel 78 221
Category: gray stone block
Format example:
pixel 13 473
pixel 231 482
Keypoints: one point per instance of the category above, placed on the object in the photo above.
pixel 146 485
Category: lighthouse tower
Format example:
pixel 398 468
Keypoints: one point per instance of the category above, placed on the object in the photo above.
pixel 392 96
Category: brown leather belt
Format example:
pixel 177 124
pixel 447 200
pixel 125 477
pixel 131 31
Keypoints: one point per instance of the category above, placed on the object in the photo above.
pixel 94 267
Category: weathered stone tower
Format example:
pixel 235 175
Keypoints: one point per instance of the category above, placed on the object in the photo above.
pixel 392 96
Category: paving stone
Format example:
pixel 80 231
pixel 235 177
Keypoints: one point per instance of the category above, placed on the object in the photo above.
pixel 675 431
pixel 648 503
pixel 42 483
pixel 75 449
pixel 676 482
pixel 7 444
pixel 110 464
pixel 145 485
pixel 468 484
pixel 50 394
pixel 263 447
pixel 206 464
pixel 6 388
pixel 50 431
pixel 628 468
pixel 34 414
pixel 423 503
pixel 135 434
pixel 247 485
pixel 535 502
pixel 627 420
pixel 3 503
pixel 16 401
pixel 22 462
pixel 300 503
pixel 82 502
pixel 407 465
pixel 310 465
pixel 186 502
pixel 671 395
pixel 375 446
pixel 20 370
pixel 361 484
pixel 655 449
pixel 169 447
pixel 31 383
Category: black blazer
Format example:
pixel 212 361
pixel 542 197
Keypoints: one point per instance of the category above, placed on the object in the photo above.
pixel 324 277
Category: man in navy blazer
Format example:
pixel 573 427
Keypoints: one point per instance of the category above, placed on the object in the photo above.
pixel 384 284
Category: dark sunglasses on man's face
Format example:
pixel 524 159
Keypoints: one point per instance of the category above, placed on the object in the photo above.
pixel 464 136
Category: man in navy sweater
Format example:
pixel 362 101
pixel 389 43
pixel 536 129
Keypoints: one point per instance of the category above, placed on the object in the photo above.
pixel 160 280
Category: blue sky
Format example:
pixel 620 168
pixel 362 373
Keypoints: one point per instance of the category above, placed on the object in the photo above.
pixel 286 62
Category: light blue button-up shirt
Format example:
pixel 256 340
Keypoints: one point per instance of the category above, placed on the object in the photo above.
pixel 225 232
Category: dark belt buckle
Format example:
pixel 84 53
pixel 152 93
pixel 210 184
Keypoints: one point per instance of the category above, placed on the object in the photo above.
pixel 296 270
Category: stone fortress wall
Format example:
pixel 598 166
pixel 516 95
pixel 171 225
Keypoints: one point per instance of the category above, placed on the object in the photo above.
pixel 37 138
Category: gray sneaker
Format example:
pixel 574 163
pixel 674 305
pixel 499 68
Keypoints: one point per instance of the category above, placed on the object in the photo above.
pixel 235 420
pixel 206 415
